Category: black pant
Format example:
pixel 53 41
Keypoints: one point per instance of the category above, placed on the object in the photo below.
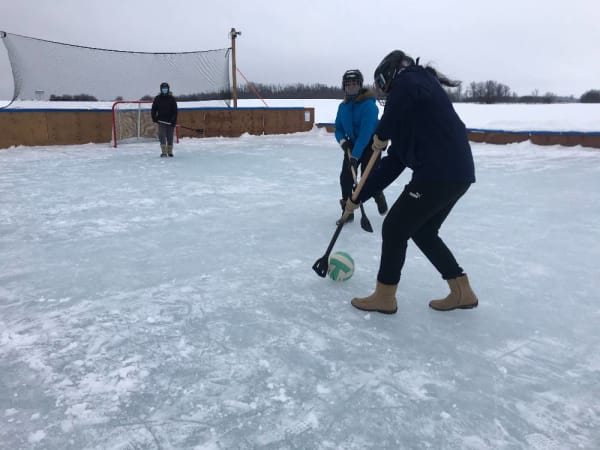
pixel 165 134
pixel 418 214
pixel 346 179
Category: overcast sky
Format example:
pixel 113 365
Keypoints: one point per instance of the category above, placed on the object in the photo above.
pixel 548 45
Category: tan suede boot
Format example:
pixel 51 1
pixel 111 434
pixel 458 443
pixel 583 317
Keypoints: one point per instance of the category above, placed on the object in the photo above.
pixel 383 300
pixel 461 296
pixel 163 149
pixel 170 150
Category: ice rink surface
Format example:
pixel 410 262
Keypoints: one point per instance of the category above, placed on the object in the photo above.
pixel 150 303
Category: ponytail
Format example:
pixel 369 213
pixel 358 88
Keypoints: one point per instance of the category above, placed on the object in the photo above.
pixel 443 79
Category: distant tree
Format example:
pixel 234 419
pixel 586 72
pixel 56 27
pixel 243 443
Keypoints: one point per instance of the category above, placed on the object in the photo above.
pixel 529 99
pixel 201 96
pixel 455 94
pixel 549 97
pixel 488 92
pixel 591 96
pixel 147 98
pixel 73 98
pixel 118 99
pixel 297 90
pixel 258 90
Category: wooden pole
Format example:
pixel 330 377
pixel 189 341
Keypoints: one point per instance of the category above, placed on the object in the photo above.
pixel 233 34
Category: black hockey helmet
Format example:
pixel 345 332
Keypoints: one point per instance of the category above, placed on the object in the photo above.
pixel 389 67
pixel 352 75
pixel 164 84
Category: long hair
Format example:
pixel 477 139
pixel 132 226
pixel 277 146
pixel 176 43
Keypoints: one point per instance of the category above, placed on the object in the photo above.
pixel 443 79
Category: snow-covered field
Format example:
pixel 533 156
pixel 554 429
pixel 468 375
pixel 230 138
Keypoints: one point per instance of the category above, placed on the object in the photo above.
pixel 149 303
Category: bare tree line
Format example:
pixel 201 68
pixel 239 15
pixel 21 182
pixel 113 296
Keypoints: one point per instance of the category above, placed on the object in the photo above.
pixel 475 92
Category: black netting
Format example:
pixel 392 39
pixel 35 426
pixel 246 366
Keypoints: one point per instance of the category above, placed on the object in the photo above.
pixel 45 70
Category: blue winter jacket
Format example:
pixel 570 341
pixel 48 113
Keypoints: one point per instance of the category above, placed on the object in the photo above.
pixel 356 121
pixel 426 134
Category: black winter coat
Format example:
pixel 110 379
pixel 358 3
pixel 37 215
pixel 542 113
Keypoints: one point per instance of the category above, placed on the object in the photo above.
pixel 164 108
pixel 426 134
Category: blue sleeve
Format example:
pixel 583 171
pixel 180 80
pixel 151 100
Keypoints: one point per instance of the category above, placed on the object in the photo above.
pixel 368 125
pixel 339 127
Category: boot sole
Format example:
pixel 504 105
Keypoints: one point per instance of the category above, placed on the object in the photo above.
pixel 376 310
pixel 474 305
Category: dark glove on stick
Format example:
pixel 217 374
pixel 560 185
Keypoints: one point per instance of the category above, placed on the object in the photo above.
pixel 346 145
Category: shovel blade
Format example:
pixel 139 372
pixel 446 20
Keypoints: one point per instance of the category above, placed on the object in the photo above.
pixel 321 266
pixel 366 225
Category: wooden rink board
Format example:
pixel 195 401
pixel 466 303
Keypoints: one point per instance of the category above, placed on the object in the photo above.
pixel 567 139
pixel 71 127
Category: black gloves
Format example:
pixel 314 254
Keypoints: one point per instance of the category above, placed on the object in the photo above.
pixel 346 145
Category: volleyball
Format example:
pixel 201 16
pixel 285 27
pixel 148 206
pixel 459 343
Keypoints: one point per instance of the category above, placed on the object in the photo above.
pixel 341 266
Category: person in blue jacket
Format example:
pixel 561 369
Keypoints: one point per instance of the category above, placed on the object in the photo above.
pixel 355 123
pixel 428 137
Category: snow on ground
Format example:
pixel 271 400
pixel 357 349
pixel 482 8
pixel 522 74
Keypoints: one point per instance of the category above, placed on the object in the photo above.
pixel 170 303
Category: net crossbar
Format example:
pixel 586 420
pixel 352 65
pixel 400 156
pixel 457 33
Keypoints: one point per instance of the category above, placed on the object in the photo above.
pixel 46 70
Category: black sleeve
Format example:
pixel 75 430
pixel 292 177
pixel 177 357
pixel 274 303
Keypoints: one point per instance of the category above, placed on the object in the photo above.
pixel 153 111
pixel 174 111
pixel 388 169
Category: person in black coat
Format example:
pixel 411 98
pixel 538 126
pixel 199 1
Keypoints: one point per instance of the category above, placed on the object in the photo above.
pixel 428 137
pixel 164 112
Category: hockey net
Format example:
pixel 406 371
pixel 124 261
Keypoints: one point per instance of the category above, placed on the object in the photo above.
pixel 132 122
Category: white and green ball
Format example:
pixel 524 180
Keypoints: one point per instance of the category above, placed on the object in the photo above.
pixel 341 266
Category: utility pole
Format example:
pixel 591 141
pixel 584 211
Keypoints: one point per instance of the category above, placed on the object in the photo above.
pixel 233 34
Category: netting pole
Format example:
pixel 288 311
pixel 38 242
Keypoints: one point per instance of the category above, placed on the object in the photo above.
pixel 139 120
pixel 233 34
pixel 114 124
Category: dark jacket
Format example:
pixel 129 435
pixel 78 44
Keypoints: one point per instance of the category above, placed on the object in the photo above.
pixel 356 121
pixel 164 108
pixel 426 134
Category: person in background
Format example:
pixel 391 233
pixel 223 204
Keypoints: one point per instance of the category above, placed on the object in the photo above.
pixel 164 112
pixel 427 136
pixel 355 122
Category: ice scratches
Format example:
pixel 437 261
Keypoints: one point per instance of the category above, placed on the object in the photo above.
pixel 287 433
pixel 540 442
pixel 146 439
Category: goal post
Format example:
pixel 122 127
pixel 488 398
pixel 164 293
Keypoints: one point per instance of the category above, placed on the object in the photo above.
pixel 132 122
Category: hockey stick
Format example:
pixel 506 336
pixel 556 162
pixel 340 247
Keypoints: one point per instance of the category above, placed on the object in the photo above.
pixel 365 224
pixel 197 130
pixel 321 265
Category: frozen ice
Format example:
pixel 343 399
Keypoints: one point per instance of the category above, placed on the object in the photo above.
pixel 170 303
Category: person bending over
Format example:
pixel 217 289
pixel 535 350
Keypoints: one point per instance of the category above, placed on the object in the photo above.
pixel 428 137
